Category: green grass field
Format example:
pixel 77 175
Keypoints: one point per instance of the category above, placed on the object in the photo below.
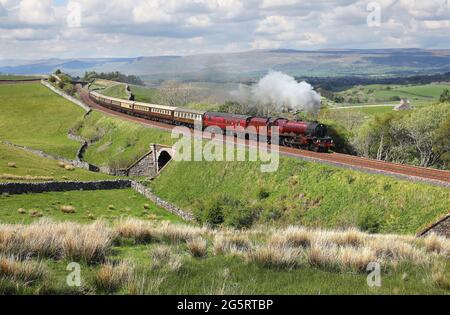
pixel 306 194
pixel 107 205
pixel 17 77
pixel 33 116
pixel 29 164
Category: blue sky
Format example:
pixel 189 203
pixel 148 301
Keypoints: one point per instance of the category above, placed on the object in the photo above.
pixel 31 29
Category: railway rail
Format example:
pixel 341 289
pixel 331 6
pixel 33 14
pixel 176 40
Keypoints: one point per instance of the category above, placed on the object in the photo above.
pixel 414 173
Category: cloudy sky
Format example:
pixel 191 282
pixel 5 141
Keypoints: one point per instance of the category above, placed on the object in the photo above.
pixel 31 29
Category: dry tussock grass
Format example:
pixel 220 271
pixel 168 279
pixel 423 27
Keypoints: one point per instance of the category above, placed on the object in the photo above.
pixel 68 209
pixel 198 247
pixel 46 238
pixel 231 242
pixel 138 230
pixel 113 276
pixel 25 271
pixel 162 256
pixel 272 256
pixel 437 244
pixel 145 232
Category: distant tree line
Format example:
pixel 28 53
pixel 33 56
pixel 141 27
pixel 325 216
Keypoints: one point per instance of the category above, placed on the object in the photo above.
pixel 337 84
pixel 113 76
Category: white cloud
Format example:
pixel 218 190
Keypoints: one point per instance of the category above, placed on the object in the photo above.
pixel 36 12
pixel 151 11
pixel 199 21
pixel 150 27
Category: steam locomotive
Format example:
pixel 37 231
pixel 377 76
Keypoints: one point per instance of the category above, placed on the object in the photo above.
pixel 292 133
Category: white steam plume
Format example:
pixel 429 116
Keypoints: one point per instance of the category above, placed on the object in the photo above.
pixel 280 92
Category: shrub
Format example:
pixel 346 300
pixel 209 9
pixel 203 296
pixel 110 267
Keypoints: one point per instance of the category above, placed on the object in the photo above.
pixel 241 218
pixel 369 222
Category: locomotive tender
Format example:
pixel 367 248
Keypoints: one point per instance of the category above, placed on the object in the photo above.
pixel 293 133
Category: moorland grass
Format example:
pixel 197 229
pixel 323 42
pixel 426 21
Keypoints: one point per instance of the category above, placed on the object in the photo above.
pixel 167 266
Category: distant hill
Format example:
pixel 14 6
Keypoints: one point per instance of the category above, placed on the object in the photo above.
pixel 248 66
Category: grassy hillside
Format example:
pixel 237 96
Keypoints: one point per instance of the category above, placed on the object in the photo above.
pixel 302 193
pixel 34 116
pixel 117 91
pixel 25 166
pixel 144 94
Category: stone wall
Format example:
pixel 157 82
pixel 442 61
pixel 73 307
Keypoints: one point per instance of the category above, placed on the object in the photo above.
pixel 147 192
pixel 34 188
pixel 441 227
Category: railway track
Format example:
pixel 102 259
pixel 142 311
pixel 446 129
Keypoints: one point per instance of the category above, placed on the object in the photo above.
pixel 433 176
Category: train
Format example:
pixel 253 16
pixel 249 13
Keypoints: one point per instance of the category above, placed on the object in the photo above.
pixel 299 134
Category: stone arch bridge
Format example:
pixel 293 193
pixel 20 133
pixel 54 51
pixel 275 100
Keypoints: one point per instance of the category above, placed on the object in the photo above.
pixel 152 163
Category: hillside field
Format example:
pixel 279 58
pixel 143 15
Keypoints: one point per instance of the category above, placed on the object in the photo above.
pixel 32 115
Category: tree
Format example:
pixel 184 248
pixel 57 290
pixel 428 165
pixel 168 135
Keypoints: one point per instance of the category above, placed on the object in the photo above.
pixel 445 96
pixel 174 93
pixel 442 146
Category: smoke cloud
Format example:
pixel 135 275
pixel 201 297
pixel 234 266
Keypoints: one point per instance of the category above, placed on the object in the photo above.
pixel 279 92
